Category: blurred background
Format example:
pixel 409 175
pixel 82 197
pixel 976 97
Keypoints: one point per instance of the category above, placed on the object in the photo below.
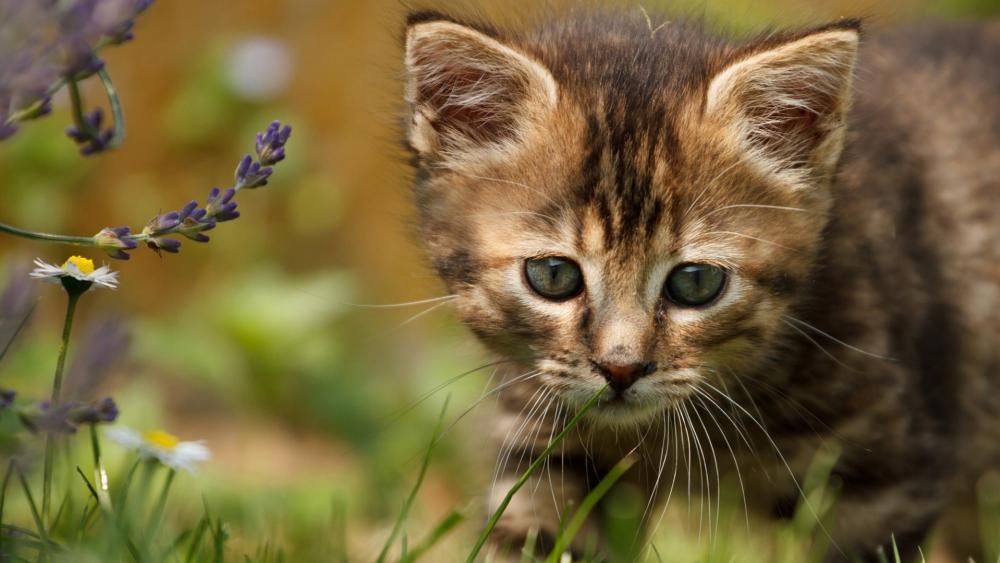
pixel 255 342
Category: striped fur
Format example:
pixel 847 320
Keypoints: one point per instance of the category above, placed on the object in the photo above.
pixel 862 287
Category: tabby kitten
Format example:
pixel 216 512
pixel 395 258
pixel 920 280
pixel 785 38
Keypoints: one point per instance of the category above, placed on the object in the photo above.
pixel 617 201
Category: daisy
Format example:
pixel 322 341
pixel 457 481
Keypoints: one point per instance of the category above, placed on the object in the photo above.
pixel 76 268
pixel 162 446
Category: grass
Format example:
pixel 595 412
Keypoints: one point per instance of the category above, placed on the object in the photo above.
pixel 136 519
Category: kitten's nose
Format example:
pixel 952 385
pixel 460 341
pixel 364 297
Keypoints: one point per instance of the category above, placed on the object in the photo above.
pixel 622 376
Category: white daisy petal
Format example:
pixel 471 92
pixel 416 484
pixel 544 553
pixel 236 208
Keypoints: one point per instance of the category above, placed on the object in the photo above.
pixel 102 277
pixel 124 436
pixel 163 447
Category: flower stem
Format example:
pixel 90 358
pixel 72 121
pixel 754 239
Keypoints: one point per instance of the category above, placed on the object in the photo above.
pixel 77 99
pixel 73 298
pixel 100 473
pixel 48 237
pixel 161 503
pixel 116 108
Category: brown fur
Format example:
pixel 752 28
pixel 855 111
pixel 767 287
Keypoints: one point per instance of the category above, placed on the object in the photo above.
pixel 862 293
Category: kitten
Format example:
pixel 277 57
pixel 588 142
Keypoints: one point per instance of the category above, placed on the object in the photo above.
pixel 753 259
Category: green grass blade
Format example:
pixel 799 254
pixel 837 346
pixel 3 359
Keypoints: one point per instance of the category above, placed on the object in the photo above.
pixel 588 504
pixel 446 525
pixel 219 538
pixel 529 472
pixel 3 496
pixel 90 487
pixel 401 518
pixel 199 533
pixel 42 532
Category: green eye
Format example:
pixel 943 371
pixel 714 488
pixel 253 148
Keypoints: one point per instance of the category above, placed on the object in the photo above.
pixel 553 277
pixel 693 285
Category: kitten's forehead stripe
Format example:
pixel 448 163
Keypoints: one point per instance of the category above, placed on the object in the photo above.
pixel 618 175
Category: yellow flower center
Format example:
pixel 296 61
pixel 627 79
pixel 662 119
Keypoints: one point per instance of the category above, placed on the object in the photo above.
pixel 85 265
pixel 160 438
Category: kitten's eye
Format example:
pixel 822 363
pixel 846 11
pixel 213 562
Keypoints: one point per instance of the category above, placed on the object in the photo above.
pixel 692 285
pixel 553 277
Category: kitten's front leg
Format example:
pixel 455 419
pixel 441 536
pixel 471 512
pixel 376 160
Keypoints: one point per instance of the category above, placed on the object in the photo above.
pixel 869 521
pixel 536 513
pixel 553 492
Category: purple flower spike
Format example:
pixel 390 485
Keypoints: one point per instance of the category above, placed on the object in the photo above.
pixel 163 223
pixel 271 143
pixel 43 417
pixel 7 130
pixel 90 135
pixel 164 244
pixel 187 210
pixel 104 410
pixel 220 205
pixel 116 242
pixel 251 174
pixel 7 397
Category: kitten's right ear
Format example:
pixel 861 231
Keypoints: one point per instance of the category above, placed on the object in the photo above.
pixel 468 92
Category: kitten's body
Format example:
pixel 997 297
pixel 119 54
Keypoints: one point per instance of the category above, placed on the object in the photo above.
pixel 863 297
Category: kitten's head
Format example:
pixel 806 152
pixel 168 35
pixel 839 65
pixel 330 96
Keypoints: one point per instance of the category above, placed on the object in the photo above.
pixel 615 202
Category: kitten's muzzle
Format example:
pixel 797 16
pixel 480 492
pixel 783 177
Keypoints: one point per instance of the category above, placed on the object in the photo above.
pixel 622 376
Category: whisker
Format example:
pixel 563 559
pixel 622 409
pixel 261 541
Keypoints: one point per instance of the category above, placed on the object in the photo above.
pixel 826 352
pixel 427 395
pixel 732 452
pixel 703 479
pixel 534 439
pixel 424 313
pixel 401 305
pixel 718 480
pixel 660 466
pixel 758 206
pixel 788 468
pixel 675 448
pixel 751 237
pixel 838 341
pixel 492 392
pixel 505 450
pixel 552 220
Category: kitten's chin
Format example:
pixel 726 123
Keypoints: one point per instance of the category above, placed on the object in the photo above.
pixel 617 410
pixel 620 412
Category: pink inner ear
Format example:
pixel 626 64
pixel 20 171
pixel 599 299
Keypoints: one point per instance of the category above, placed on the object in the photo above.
pixel 794 131
pixel 469 103
pixel 786 101
pixel 471 89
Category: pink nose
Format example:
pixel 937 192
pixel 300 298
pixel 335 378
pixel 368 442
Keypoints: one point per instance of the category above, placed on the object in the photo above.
pixel 622 376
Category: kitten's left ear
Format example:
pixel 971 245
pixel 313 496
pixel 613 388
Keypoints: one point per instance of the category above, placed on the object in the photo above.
pixel 470 94
pixel 786 105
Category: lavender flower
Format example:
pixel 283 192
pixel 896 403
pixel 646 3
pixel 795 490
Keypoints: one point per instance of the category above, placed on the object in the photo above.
pixel 159 226
pixel 220 205
pixel 250 174
pixel 193 221
pixel 103 345
pixel 43 41
pixel 271 143
pixel 64 418
pixel 89 135
pixel 116 242
pixel 27 65
pixel 43 417
pixel 7 397
pixel 103 410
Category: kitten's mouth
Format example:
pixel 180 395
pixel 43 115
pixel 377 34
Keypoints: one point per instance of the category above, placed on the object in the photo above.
pixel 623 407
